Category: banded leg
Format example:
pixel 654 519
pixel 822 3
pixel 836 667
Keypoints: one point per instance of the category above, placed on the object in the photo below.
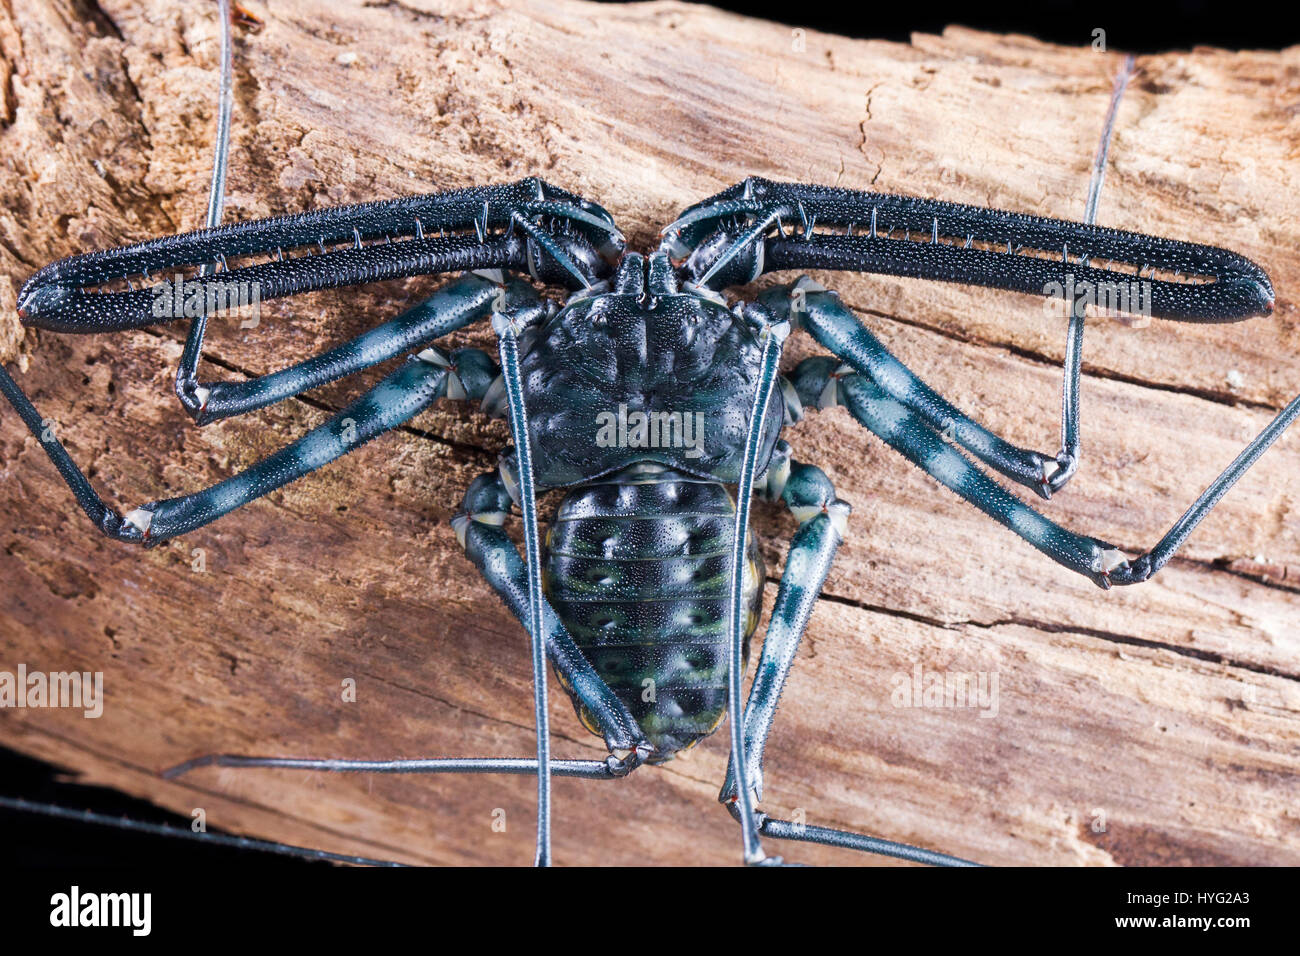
pixel 822 518
pixel 1103 563
pixel 607 769
pixel 396 399
pixel 469 373
pixel 479 527
pixel 455 306
pixel 836 327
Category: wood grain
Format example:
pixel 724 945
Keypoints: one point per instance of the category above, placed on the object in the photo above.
pixel 1156 724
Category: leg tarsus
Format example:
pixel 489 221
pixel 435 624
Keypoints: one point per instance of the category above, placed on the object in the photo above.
pixel 1057 472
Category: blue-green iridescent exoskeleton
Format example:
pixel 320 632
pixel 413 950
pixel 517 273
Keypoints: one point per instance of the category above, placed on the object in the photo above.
pixel 656 406
pixel 638 400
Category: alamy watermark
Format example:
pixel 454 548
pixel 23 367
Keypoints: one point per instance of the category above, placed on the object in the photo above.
pixel 624 429
pixel 77 908
pixel 1109 299
pixel 181 298
pixel 977 690
pixel 77 690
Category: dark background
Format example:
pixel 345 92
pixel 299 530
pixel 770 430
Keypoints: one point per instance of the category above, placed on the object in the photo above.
pixel 30 839
pixel 1131 27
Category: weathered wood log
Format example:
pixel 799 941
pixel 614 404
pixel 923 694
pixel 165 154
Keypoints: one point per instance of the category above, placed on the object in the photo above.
pixel 1156 724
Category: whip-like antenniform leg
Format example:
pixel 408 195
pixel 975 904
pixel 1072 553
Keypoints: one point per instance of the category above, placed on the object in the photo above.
pixel 826 836
pixel 485 508
pixel 1067 459
pixel 508 340
pixel 589 769
pixel 772 334
pixel 449 309
pixel 187 386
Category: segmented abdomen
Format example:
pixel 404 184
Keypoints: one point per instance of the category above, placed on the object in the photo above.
pixel 637 569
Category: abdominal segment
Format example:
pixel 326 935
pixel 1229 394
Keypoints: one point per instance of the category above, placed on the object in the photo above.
pixel 638 571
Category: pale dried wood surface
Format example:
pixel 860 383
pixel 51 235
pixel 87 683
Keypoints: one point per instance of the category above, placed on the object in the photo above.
pixel 1171 710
